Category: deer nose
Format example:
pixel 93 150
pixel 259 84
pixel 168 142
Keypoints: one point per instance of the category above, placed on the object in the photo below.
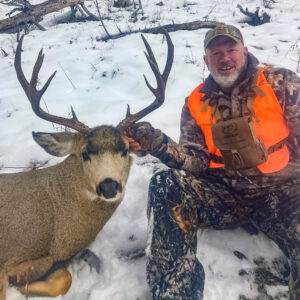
pixel 109 188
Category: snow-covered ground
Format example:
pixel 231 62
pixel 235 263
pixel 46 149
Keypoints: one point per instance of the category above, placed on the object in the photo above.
pixel 98 79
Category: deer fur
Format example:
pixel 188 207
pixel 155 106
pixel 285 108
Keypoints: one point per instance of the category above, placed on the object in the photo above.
pixel 50 214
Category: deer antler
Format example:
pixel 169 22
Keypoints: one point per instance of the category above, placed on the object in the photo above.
pixel 34 95
pixel 161 80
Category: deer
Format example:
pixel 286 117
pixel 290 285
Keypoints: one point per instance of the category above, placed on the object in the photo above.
pixel 49 215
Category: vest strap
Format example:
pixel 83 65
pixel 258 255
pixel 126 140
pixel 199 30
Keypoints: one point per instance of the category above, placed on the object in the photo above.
pixel 215 113
pixel 205 105
pixel 254 89
pixel 219 159
pixel 277 146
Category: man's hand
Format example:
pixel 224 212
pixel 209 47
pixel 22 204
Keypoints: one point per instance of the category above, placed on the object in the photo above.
pixel 133 145
pixel 143 138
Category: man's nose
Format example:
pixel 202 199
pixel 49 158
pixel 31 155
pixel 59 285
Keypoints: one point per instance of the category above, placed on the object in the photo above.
pixel 225 57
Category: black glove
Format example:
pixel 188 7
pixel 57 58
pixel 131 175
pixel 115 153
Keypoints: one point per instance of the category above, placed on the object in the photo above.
pixel 148 137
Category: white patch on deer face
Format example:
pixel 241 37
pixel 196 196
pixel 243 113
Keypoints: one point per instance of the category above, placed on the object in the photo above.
pixel 107 174
pixel 106 163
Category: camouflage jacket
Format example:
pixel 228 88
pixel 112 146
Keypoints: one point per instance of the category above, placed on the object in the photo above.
pixel 191 153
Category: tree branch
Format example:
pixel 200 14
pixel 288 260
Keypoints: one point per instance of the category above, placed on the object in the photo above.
pixel 170 28
pixel 255 19
pixel 34 13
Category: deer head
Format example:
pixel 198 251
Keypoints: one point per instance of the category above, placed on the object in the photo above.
pixel 103 151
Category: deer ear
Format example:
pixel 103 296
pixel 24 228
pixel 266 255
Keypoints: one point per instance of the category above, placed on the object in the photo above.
pixel 57 144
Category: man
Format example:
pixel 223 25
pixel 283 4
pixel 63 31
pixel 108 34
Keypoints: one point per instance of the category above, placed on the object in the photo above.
pixel 237 162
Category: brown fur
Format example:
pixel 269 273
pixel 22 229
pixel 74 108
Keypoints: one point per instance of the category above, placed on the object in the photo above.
pixel 50 214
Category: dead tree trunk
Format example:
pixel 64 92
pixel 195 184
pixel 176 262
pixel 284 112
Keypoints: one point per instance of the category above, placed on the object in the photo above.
pixel 170 28
pixel 35 13
pixel 254 18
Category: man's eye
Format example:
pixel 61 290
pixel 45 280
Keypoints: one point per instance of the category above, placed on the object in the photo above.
pixel 124 153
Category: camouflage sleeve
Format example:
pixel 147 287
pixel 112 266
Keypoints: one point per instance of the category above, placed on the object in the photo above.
pixel 191 154
pixel 286 85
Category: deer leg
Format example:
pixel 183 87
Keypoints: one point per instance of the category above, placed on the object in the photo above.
pixel 3 284
pixel 57 283
pixel 29 271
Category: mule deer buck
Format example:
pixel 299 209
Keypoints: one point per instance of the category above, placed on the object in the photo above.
pixel 49 215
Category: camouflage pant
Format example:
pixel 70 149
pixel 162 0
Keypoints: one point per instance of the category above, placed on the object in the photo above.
pixel 179 205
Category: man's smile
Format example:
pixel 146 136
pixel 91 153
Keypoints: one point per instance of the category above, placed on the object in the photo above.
pixel 225 70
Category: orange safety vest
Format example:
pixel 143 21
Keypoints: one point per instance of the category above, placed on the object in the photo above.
pixel 269 124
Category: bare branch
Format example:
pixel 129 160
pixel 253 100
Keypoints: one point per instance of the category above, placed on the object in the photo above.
pixel 255 18
pixel 91 15
pixel 101 20
pixel 5 53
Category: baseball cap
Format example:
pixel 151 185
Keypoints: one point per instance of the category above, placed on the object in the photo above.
pixel 227 30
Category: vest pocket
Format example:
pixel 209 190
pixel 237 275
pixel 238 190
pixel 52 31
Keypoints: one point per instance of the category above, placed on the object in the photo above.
pixel 238 143
pixel 246 157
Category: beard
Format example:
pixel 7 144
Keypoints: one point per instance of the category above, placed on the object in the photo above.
pixel 228 81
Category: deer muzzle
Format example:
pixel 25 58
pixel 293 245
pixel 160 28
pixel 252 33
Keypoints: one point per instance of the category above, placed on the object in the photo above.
pixel 109 188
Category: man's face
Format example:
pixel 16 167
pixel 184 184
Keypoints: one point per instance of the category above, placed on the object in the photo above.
pixel 225 59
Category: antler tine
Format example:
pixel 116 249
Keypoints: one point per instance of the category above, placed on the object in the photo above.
pixel 157 75
pixel 170 58
pixel 150 56
pixel 34 96
pixel 161 80
pixel 37 68
pixel 19 71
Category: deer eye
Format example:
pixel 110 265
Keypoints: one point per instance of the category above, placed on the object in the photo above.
pixel 85 156
pixel 125 152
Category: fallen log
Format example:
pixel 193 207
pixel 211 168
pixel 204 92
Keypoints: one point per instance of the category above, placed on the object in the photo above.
pixel 34 13
pixel 195 25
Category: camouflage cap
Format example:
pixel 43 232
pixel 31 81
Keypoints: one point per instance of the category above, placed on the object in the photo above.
pixel 227 30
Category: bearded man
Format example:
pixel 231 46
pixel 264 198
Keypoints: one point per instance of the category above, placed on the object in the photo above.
pixel 237 162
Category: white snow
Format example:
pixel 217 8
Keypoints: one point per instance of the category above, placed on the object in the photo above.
pixel 104 77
